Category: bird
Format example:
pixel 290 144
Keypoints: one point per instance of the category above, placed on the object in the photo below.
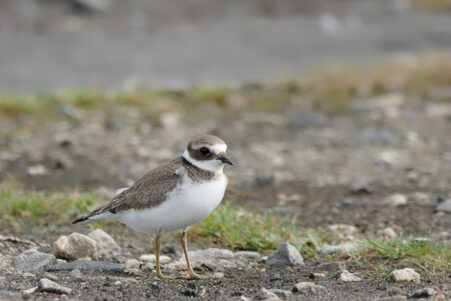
pixel 173 196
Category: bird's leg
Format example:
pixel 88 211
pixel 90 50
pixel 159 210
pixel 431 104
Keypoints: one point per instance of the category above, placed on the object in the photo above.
pixel 188 263
pixel 157 258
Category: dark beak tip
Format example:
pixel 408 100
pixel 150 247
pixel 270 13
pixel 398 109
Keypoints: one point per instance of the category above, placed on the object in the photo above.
pixel 226 160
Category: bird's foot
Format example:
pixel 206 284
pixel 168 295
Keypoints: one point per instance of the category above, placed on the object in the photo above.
pixel 165 277
pixel 193 275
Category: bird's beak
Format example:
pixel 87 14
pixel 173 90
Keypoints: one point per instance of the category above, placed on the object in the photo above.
pixel 225 160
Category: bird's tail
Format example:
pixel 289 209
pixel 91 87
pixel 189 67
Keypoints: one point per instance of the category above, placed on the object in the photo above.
pixel 80 219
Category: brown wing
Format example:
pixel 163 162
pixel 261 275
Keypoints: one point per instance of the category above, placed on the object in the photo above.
pixel 149 191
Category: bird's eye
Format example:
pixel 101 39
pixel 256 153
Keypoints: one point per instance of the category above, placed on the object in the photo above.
pixel 204 150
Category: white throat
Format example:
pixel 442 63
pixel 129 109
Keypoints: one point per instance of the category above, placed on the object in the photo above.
pixel 210 165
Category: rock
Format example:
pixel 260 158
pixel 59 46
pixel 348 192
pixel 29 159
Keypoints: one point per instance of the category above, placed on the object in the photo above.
pixel 47 285
pixel 360 187
pixel 424 293
pixel 218 275
pixel 392 298
pixel 27 275
pixel 332 266
pixel 281 293
pixel 28 292
pixel 444 206
pixel 33 261
pixel 420 198
pixel 106 246
pixel 388 234
pixel 343 231
pixel 267 295
pixel 318 275
pixel 86 265
pixel 405 275
pixel 274 277
pixel 76 246
pixel 395 200
pixel 76 274
pixel 62 161
pixel 211 258
pixel 148 267
pixel 151 258
pixel 308 288
pixel 285 255
pixel 99 6
pixel 343 248
pixel 37 170
pixel 50 276
pixel 346 276
pixel 131 264
pixel 248 254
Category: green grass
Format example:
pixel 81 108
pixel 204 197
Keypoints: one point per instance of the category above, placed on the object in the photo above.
pixel 20 207
pixel 240 229
pixel 429 256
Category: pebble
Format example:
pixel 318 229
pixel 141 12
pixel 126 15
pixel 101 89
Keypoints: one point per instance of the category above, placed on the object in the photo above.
pixel 318 275
pixel 281 293
pixel 151 258
pixel 388 234
pixel 76 274
pixel 274 277
pixel 420 198
pixel 76 246
pixel 212 258
pixel 37 170
pixel 86 265
pixel 47 285
pixel 218 275
pixel 405 275
pixel 343 229
pixel 33 261
pixel 444 206
pixel 131 264
pixel 308 288
pixel 347 276
pixel 285 255
pixel 395 200
pixel 27 275
pixel 267 295
pixel 30 291
pixel 392 298
pixel 424 293
pixel 50 276
pixel 106 246
pixel 248 254
pixel 148 267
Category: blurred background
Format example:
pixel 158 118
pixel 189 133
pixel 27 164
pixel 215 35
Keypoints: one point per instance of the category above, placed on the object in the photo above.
pixel 50 44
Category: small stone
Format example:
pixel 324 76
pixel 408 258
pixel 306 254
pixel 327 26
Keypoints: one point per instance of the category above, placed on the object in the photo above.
pixel 133 272
pixel 50 276
pixel 37 170
pixel 274 277
pixel 76 246
pixel 318 275
pixel 343 248
pixel 117 283
pixel 76 274
pixel 248 254
pixel 132 264
pixel 420 198
pixel 267 295
pixel 30 291
pixel 281 293
pixel 343 228
pixel 444 206
pixel 346 276
pixel 285 255
pixel 424 293
pixel 395 200
pixel 308 288
pixel 358 187
pixel 151 258
pixel 148 267
pixel 106 245
pixel 33 261
pixel 27 275
pixel 212 258
pixel 47 285
pixel 86 265
pixel 98 6
pixel 218 275
pixel 388 234
pixel 392 298
pixel 405 275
